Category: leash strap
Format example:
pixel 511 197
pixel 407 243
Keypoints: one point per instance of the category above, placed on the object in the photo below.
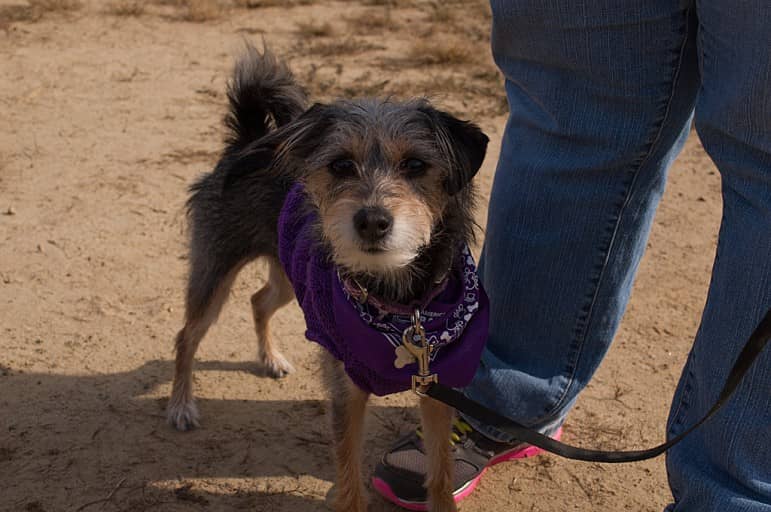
pixel 457 400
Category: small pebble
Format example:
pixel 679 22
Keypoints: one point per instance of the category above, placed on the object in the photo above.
pixel 10 211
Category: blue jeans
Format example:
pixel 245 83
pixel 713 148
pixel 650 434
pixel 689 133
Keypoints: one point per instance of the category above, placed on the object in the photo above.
pixel 601 95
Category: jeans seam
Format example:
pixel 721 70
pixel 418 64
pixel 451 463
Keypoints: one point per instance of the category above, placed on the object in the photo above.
pixel 681 408
pixel 683 404
pixel 578 342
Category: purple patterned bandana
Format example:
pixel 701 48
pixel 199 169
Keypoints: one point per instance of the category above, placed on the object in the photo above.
pixel 443 322
pixel 364 333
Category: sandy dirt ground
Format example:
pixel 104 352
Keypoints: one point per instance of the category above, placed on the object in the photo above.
pixel 108 111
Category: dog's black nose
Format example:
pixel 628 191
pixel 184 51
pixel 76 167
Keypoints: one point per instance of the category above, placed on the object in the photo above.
pixel 373 224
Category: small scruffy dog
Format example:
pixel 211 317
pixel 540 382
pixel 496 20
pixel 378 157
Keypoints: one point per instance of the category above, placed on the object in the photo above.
pixel 388 188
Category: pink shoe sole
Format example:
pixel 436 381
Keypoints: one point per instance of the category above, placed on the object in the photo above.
pixel 523 453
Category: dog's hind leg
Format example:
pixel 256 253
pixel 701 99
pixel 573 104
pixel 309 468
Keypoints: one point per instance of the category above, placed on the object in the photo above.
pixel 276 293
pixel 208 288
pixel 349 404
pixel 437 427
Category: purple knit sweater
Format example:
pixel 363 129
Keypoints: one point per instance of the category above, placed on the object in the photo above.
pixel 363 336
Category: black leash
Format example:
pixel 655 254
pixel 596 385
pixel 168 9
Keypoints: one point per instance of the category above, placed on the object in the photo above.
pixel 457 400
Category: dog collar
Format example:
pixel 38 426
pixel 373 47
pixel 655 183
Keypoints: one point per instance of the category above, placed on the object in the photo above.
pixel 362 295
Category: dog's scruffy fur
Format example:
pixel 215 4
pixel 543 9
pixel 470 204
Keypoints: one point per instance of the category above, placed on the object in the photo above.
pixel 391 182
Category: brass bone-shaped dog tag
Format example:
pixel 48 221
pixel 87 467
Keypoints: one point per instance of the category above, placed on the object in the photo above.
pixel 403 357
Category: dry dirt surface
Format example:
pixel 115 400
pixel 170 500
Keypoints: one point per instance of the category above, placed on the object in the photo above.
pixel 108 112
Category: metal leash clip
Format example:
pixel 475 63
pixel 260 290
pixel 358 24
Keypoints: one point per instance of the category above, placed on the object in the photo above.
pixel 414 340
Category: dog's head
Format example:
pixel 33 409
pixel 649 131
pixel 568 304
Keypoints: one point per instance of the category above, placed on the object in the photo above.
pixel 385 177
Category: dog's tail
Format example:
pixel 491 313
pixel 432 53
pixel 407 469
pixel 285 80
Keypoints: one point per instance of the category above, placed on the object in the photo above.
pixel 263 95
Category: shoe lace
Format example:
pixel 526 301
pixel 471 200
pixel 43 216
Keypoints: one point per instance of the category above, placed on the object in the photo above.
pixel 460 431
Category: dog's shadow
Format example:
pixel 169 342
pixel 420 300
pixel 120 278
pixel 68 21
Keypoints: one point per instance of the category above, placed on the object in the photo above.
pixel 69 440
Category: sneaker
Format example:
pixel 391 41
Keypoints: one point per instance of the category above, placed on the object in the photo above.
pixel 400 475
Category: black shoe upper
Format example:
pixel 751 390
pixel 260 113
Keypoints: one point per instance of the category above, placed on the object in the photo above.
pixel 404 466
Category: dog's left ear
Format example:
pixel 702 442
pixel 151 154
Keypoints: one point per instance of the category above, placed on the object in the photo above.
pixel 464 143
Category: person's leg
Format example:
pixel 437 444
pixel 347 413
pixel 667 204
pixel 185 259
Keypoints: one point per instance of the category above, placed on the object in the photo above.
pixel 726 464
pixel 600 94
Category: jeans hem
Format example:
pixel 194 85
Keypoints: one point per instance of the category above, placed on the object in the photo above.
pixel 502 437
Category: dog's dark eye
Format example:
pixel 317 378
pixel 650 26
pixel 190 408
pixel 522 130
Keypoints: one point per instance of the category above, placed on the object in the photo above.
pixel 413 167
pixel 343 167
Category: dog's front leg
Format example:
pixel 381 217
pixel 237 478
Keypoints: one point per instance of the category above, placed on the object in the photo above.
pixel 437 424
pixel 349 405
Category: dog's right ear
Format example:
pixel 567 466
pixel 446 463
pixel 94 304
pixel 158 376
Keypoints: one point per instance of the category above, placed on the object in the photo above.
pixel 281 149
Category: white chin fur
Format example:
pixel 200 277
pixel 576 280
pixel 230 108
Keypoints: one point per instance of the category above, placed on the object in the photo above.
pixel 400 249
pixel 375 263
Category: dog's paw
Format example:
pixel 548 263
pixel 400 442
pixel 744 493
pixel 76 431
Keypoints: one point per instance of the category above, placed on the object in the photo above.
pixel 277 366
pixel 182 416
